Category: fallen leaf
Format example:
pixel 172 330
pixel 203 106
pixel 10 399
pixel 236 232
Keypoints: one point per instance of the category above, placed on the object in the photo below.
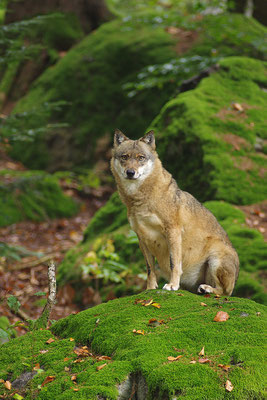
pixel 73 377
pixel 203 304
pixel 2 381
pixel 7 385
pixel 36 367
pixel 43 351
pixel 81 352
pixel 238 107
pixel 217 296
pixel 75 389
pixel 148 302
pixel 139 332
pixel 229 386
pixel 138 301
pixel 101 358
pixel 224 367
pixel 193 362
pixel 99 367
pixel 207 295
pixel 258 313
pixel 51 340
pixel 156 305
pixel 66 359
pixel 179 294
pixel 66 369
pixel 71 339
pixel 153 322
pixel 48 379
pixel 221 316
pixel 204 361
pixel 171 358
pixel 201 353
pixel 79 360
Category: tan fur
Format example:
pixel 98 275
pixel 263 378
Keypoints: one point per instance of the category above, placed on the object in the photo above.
pixel 192 249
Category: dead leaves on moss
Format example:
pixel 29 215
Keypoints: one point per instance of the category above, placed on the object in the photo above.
pixel 171 358
pixel 147 303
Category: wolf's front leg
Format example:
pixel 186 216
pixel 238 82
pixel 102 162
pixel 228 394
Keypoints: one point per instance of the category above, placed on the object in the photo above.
pixel 175 252
pixel 150 264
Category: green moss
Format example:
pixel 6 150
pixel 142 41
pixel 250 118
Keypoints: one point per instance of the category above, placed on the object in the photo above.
pixel 32 195
pixel 93 75
pixel 185 328
pixel 207 145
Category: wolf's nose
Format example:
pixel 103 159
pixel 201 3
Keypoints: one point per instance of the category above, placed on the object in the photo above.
pixel 130 173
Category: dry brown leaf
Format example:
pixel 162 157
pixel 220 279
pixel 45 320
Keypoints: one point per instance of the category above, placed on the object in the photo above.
pixel 101 358
pixel 238 107
pixel 79 360
pixel 66 369
pixel 7 385
pixel 71 339
pixel 179 294
pixel 207 295
pixel 221 316
pixel 43 351
pixel 229 386
pixel 171 358
pixel 203 304
pixel 204 360
pixel 36 367
pixel 51 340
pixel 202 353
pixel 73 377
pixel 82 352
pixel 48 379
pixel 75 389
pixel 193 362
pixel 99 367
pixel 66 359
pixel 224 367
pixel 2 381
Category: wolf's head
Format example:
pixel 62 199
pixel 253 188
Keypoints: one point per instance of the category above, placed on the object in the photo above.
pixel 133 160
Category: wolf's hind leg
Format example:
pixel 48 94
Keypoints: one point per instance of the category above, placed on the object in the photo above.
pixel 150 264
pixel 221 276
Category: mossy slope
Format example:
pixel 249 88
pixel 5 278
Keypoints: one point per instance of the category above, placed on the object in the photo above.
pixel 185 327
pixel 91 77
pixel 109 224
pixel 208 144
pixel 32 195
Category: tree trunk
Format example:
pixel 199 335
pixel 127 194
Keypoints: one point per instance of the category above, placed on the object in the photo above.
pixel 91 13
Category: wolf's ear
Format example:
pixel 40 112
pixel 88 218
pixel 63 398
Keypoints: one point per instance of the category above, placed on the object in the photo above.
pixel 119 137
pixel 149 139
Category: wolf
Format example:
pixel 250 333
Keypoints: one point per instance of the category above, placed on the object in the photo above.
pixel 192 249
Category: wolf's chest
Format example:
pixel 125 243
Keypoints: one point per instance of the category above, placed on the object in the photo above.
pixel 148 227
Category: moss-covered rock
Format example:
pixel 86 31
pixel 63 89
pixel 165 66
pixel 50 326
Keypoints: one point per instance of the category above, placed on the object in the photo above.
pixel 32 195
pixel 132 344
pixel 93 76
pixel 208 137
pixel 89 260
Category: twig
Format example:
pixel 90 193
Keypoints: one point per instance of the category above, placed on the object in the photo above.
pixel 51 300
pixel 34 263
pixel 23 315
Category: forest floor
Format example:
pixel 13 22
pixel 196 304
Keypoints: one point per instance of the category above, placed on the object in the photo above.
pixel 52 238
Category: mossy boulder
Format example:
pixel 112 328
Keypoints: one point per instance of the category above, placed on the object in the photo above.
pixel 108 235
pixel 92 79
pixel 133 345
pixel 212 138
pixel 32 195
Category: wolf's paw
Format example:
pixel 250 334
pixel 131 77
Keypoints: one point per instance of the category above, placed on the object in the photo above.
pixel 152 287
pixel 170 286
pixel 204 289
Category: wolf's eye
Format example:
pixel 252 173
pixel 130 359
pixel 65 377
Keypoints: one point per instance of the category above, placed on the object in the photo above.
pixel 124 157
pixel 141 158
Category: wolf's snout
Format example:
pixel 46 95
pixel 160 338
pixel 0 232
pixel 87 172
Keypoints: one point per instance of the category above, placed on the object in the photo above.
pixel 130 173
